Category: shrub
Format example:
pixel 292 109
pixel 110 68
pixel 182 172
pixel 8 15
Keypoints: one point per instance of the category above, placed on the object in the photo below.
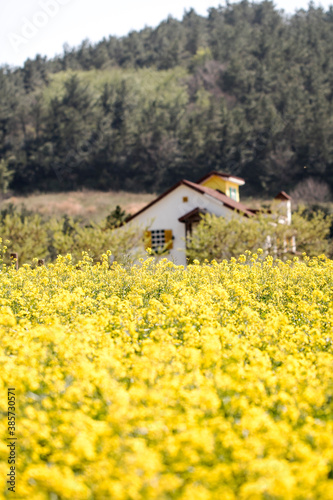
pixel 217 238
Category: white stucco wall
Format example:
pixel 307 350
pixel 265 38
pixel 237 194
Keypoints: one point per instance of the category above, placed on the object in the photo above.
pixel 165 214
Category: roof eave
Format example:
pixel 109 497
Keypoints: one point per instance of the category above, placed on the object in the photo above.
pixel 198 188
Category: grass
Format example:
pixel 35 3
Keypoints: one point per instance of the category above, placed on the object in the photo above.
pixel 90 205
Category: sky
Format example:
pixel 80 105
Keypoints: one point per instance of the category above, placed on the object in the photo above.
pixel 30 27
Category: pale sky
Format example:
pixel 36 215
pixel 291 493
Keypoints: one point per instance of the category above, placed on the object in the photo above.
pixel 30 27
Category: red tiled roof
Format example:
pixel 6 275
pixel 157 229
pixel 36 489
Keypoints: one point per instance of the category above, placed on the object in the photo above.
pixel 192 213
pixel 228 202
pixel 282 196
pixel 155 201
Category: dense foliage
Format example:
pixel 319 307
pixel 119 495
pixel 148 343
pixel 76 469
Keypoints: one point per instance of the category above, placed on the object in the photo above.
pixel 33 237
pixel 158 383
pixel 219 238
pixel 246 89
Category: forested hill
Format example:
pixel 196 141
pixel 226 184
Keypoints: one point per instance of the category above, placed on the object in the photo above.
pixel 246 90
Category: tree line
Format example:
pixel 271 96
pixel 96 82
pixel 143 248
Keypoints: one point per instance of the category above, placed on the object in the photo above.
pixel 246 89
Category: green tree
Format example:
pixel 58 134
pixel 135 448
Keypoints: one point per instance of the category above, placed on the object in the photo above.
pixel 218 238
pixel 116 217
pixel 6 175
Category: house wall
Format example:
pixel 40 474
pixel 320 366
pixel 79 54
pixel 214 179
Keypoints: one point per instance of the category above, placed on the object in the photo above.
pixel 165 214
pixel 284 209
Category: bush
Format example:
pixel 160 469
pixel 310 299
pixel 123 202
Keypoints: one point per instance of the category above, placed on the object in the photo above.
pixel 31 237
pixel 216 238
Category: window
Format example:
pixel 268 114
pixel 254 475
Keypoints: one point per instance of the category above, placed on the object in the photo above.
pixel 185 199
pixel 233 193
pixel 159 240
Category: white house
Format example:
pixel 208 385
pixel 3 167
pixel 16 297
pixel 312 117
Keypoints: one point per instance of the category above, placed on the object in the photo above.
pixel 170 217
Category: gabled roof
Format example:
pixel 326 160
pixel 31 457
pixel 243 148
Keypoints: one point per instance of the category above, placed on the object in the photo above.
pixel 282 196
pixel 224 199
pixel 228 202
pixel 224 176
pixel 196 212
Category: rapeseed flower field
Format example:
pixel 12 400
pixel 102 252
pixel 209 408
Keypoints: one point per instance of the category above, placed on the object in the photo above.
pixel 158 383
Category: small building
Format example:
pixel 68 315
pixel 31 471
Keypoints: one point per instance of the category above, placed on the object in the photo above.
pixel 170 218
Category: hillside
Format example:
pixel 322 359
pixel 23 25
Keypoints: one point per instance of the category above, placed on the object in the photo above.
pixel 90 206
pixel 245 89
